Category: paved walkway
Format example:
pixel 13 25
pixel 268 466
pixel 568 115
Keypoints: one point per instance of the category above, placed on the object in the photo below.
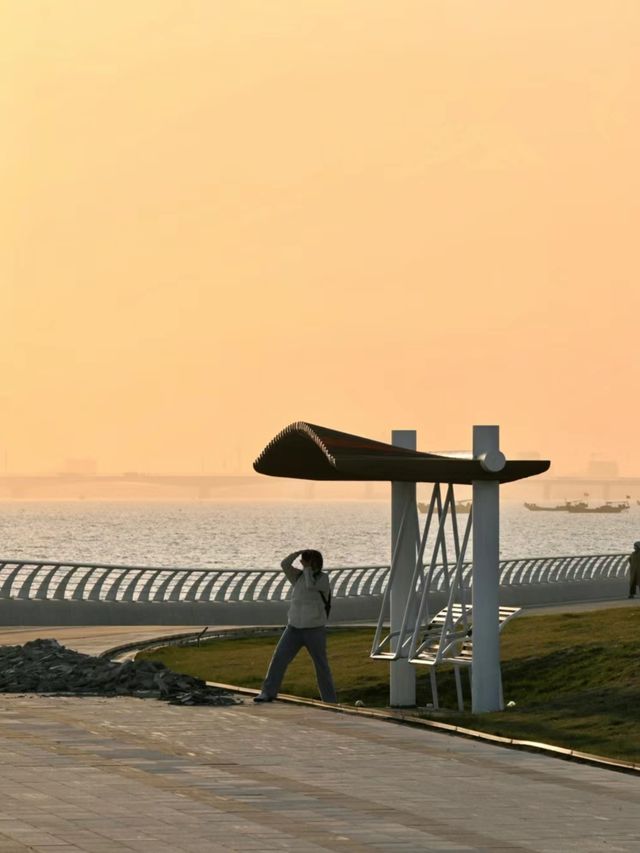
pixel 93 639
pixel 97 774
pixel 579 606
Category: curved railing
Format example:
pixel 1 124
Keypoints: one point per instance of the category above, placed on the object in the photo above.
pixel 47 580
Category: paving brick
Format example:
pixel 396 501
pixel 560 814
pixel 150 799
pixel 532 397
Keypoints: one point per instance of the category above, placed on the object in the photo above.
pixel 125 774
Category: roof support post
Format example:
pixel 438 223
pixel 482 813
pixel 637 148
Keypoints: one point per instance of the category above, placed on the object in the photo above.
pixel 402 675
pixel 486 689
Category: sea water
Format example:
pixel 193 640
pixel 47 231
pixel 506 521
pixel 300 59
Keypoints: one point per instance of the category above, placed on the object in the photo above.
pixel 257 535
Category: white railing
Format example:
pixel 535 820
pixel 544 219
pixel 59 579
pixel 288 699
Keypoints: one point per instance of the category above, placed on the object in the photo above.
pixel 63 581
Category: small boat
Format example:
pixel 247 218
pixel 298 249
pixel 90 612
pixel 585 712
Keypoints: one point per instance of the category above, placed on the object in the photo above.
pixel 461 506
pixel 567 506
pixel 608 507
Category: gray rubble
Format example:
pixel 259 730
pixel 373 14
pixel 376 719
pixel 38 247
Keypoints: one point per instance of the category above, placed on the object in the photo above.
pixel 45 666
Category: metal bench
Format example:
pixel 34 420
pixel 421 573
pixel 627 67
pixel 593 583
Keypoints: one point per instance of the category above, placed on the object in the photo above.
pixel 448 641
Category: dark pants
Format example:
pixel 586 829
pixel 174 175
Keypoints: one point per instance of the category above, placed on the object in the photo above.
pixel 634 579
pixel 290 643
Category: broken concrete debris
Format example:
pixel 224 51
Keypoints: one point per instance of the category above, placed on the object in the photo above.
pixel 45 666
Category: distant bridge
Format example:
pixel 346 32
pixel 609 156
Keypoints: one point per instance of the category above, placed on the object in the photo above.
pixel 23 485
pixel 202 485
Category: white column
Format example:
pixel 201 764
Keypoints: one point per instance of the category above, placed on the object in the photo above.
pixel 402 675
pixel 485 691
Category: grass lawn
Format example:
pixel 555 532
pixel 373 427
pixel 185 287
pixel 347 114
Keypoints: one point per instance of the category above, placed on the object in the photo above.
pixel 575 678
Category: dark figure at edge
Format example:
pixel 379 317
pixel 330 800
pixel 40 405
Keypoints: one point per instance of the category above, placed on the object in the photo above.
pixel 634 570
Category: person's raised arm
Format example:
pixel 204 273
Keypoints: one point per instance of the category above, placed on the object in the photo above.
pixel 287 566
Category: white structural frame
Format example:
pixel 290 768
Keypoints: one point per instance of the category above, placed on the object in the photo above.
pixel 409 585
pixel 404 526
pixel 413 638
pixel 395 643
pixel 486 681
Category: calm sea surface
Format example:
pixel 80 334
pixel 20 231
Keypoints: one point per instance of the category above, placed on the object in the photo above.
pixel 258 535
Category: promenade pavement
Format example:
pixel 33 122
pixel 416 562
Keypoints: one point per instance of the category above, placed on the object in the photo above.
pixel 93 639
pixel 120 774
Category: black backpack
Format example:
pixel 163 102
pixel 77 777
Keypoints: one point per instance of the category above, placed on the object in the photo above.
pixel 326 600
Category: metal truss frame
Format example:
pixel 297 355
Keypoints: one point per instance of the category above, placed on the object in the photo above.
pixel 405 642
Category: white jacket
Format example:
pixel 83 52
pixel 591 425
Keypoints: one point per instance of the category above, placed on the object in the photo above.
pixel 307 607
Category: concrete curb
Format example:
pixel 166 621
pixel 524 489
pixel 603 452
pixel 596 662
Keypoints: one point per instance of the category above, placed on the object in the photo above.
pixel 175 639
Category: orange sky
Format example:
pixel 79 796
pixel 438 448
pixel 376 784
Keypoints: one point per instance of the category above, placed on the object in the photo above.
pixel 220 216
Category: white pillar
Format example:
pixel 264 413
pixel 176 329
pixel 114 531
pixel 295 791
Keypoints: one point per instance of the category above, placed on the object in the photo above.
pixel 402 674
pixel 485 689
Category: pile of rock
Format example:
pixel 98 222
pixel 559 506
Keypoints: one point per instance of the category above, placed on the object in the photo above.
pixel 45 666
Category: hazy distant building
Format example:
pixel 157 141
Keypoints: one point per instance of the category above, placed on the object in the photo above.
pixel 80 466
pixel 602 469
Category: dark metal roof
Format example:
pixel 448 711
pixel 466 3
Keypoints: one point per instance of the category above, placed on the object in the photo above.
pixel 309 452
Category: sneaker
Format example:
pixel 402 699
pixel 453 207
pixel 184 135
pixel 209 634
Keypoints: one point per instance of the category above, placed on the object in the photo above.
pixel 262 698
pixel 631 596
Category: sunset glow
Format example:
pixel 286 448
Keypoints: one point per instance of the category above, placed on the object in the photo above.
pixel 221 217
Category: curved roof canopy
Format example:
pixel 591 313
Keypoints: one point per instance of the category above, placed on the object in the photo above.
pixel 309 452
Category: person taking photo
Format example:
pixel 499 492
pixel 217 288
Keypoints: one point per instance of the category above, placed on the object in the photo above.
pixel 306 625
